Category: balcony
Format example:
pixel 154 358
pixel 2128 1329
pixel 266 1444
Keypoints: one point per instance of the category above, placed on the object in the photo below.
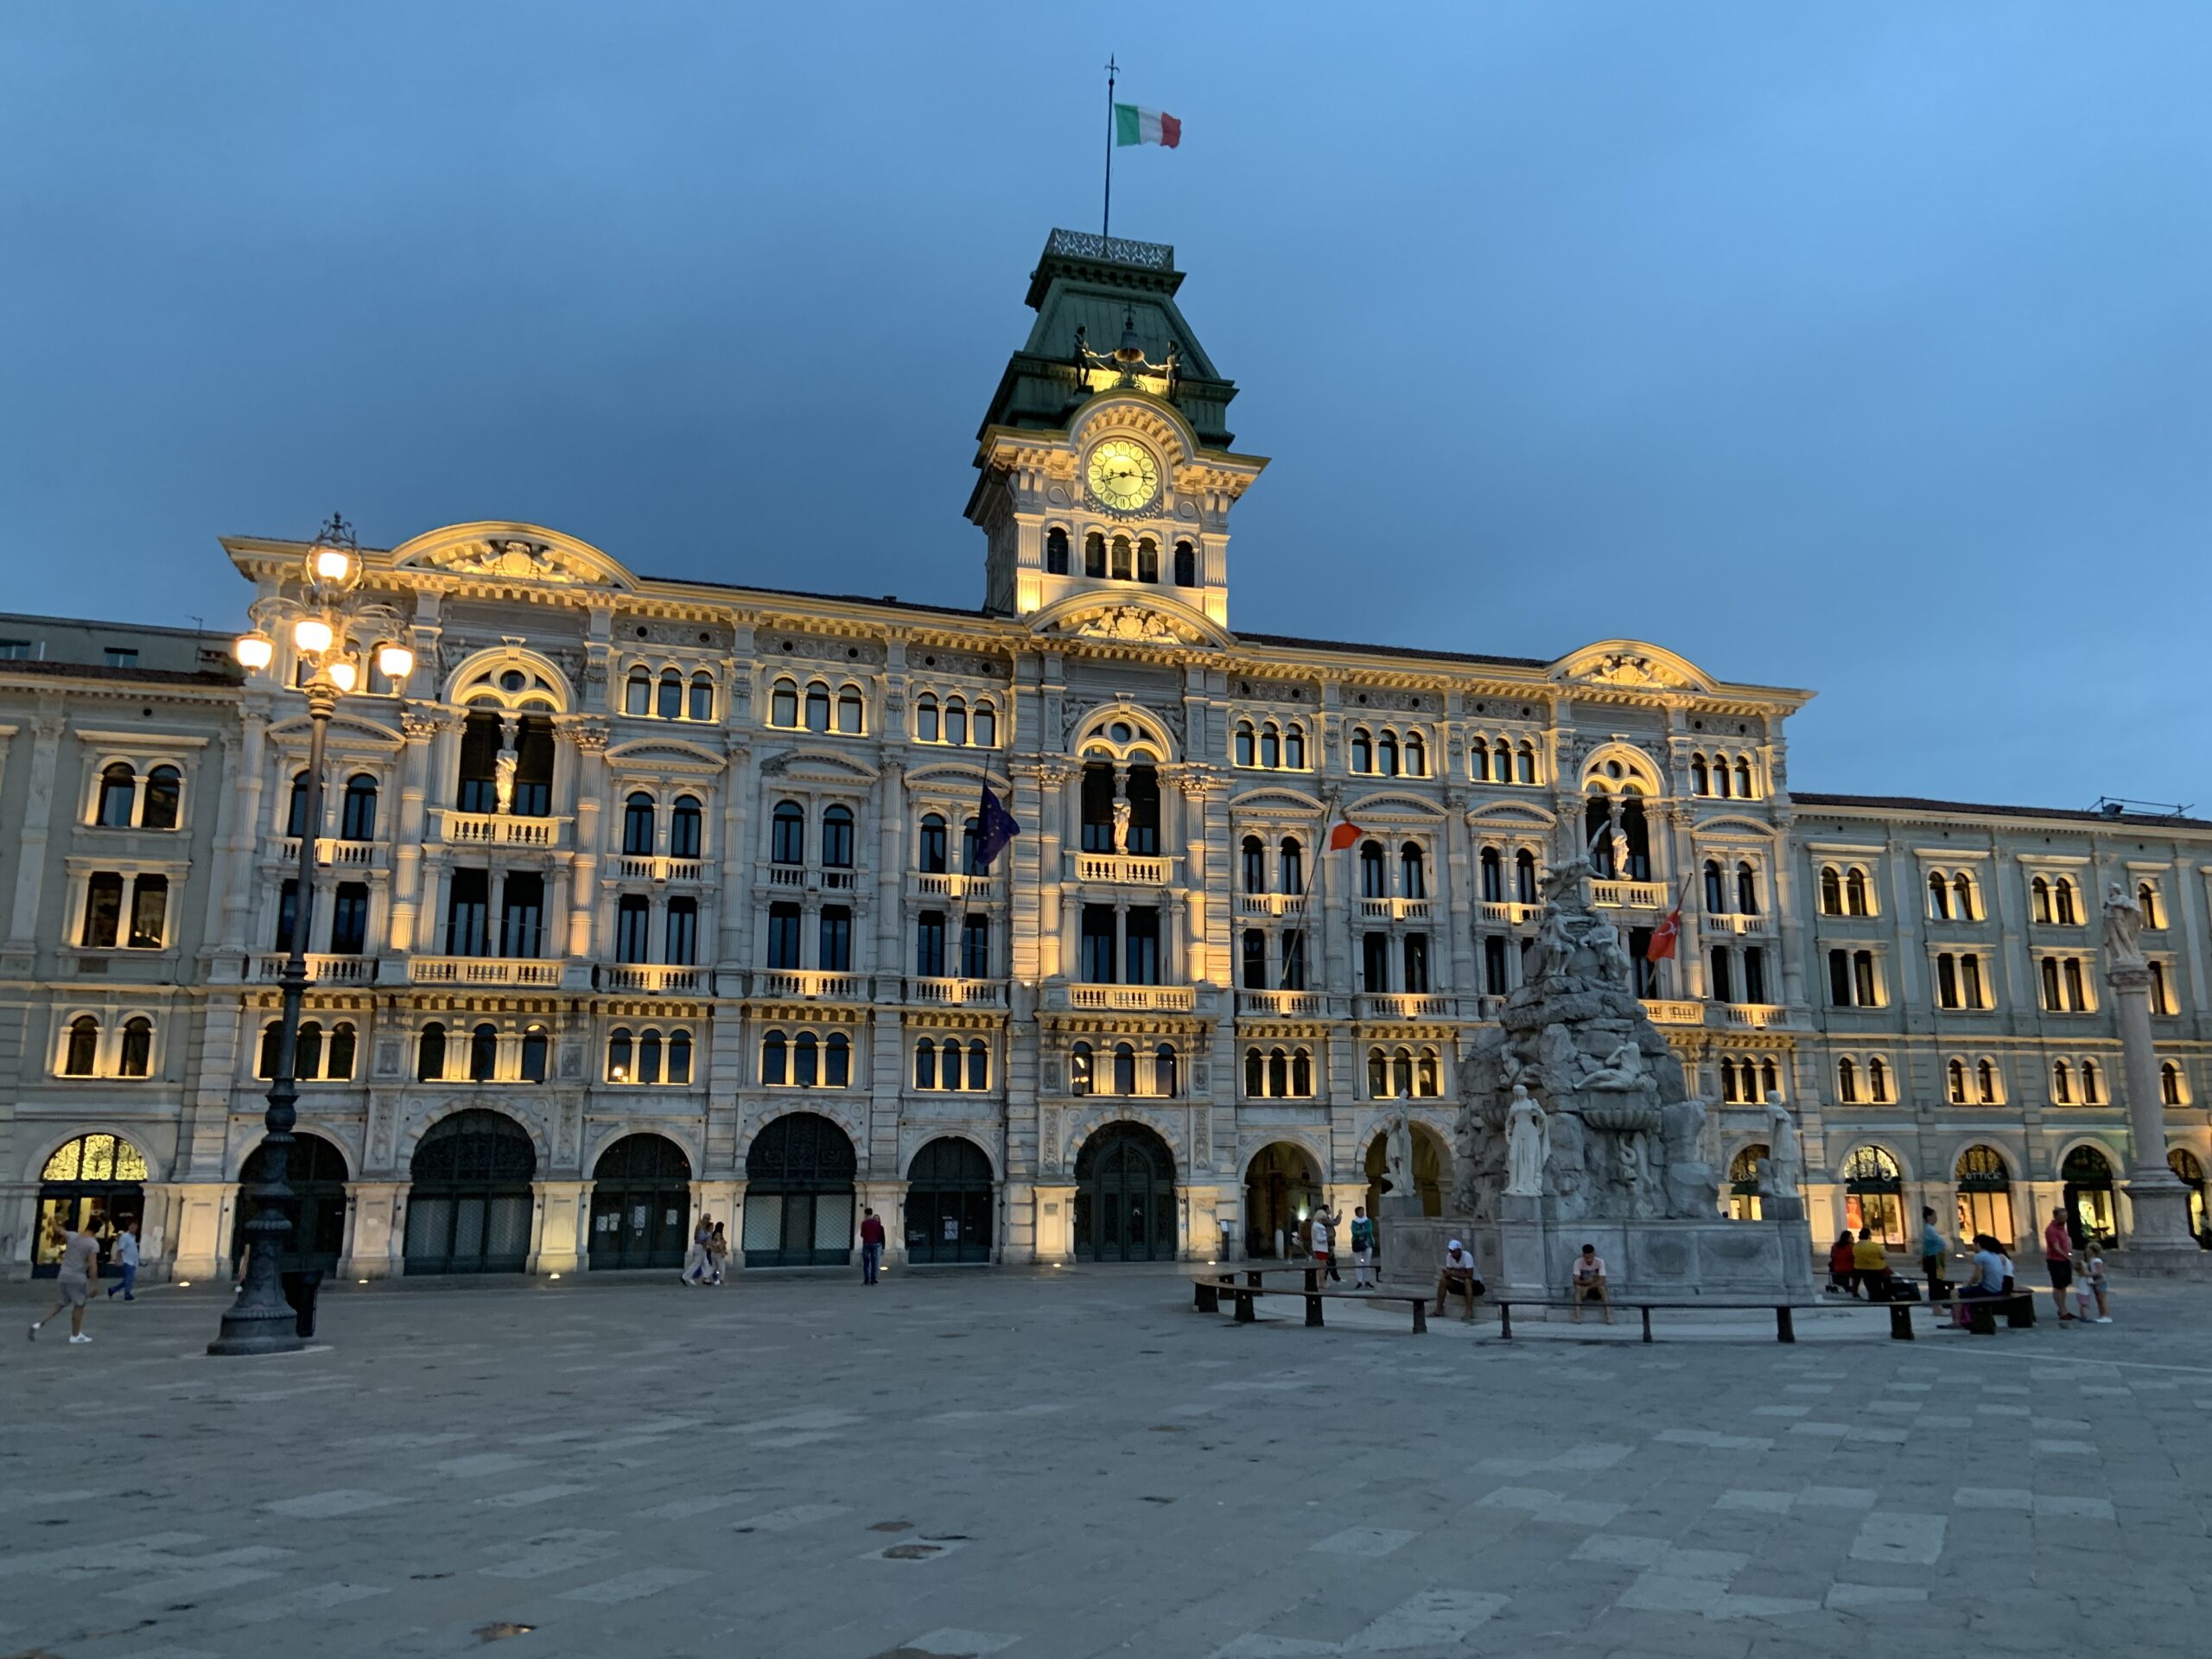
pixel 801 877
pixel 956 886
pixel 1733 922
pixel 810 984
pixel 1512 911
pixel 330 852
pixel 624 868
pixel 1162 998
pixel 268 967
pixel 1121 869
pixel 482 970
pixel 1279 1004
pixel 1629 895
pixel 1394 910
pixel 654 978
pixel 1270 904
pixel 959 993
pixel 1374 1005
pixel 459 829
pixel 1753 1016
pixel 1663 1013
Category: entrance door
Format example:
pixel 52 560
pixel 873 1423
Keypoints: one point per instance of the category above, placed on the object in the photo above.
pixel 316 1174
pixel 949 1203
pixel 90 1185
pixel 1125 1196
pixel 641 1204
pixel 2088 1176
pixel 468 1210
pixel 799 1194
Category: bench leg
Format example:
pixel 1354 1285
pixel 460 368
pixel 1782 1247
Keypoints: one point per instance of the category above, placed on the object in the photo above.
pixel 1209 1299
pixel 1244 1313
pixel 1252 1278
pixel 1505 1321
pixel 1982 1320
pixel 1421 1317
pixel 1901 1322
pixel 1647 1323
pixel 1785 1325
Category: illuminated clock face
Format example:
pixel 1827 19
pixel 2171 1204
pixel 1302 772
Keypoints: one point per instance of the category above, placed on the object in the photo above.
pixel 1123 475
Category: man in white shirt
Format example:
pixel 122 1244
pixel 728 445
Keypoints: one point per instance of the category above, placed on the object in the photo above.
pixel 1459 1277
pixel 1590 1283
pixel 126 1259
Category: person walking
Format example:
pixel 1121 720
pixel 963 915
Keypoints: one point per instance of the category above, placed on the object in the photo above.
pixel 717 1253
pixel 1325 1245
pixel 871 1246
pixel 1870 1264
pixel 695 1265
pixel 2058 1260
pixel 125 1257
pixel 80 1260
pixel 1932 1252
pixel 1362 1249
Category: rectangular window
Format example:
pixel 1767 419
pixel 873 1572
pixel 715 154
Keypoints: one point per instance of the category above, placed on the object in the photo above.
pixel 1862 973
pixel 836 941
pixel 468 913
pixel 1494 981
pixel 783 937
pixel 1140 952
pixel 477 789
pixel 15 651
pixel 2077 998
pixel 1970 986
pixel 1293 960
pixel 1416 953
pixel 1253 966
pixel 634 923
pixel 683 933
pixel 1724 978
pixel 1097 808
pixel 522 914
pixel 1946 981
pixel 929 944
pixel 1840 979
pixel 349 919
pixel 287 914
pixel 1754 974
pixel 975 947
pixel 1098 944
pixel 1375 963
pixel 122 657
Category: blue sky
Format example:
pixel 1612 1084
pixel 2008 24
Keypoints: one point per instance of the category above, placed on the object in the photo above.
pixel 1859 349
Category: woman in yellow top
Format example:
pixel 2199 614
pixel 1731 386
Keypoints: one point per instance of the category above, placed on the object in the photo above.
pixel 1869 1260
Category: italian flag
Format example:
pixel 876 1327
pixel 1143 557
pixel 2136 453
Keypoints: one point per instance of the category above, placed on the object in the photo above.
pixel 1132 125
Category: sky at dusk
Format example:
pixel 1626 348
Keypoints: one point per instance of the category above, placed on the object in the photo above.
pixel 1862 348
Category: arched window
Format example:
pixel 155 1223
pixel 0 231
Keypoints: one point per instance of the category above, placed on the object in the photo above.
pixel 1378 1075
pixel 1854 894
pixel 1478 760
pixel 2090 1096
pixel 929 851
pixel 787 834
pixel 164 796
pixel 638 693
pixel 2062 906
pixel 1984 1077
pixel 2146 896
pixel 925 719
pixel 1716 891
pixel 2039 897
pixel 483 1054
pixel 1079 1074
pixel 1525 764
pixel 1294 746
pixel 2062 1083
pixel 295 812
pixel 1939 898
pixel 806 1060
pixel 357 814
pixel 138 1050
pixel 850 719
pixel 783 703
pixel 638 825
pixel 817 706
pixel 1094 554
pixel 620 1054
pixel 271 1038
pixel 649 1057
pixel 82 1054
pixel 1254 864
pixel 971 848
pixel 703 697
pixel 1955 1076
pixel 1386 753
pixel 684 825
pixel 1720 783
pixel 1416 755
pixel 1187 565
pixel 1700 782
pixel 1402 1072
pixel 1278 1072
pixel 1412 878
pixel 986 733
pixel 1747 890
pixel 338 1058
pixel 1301 1073
pixel 1877 1080
pixel 1524 877
pixel 1125 1069
pixel 837 1061
pixel 1055 551
pixel 1769 1079
pixel 1846 1080
pixel 979 1064
pixel 774 1060
pixel 533 1054
pixel 1163 1071
pixel 1254 1074
pixel 1148 560
pixel 669 704
pixel 925 1064
pixel 307 1051
pixel 2170 1089
pixel 679 1057
pixel 1831 890
pixel 118 796
pixel 956 721
pixel 1121 551
pixel 837 838
pixel 1293 866
pixel 1246 754
pixel 1743 779
pixel 1492 872
pixel 1363 750
pixel 1373 871
pixel 1270 745
pixel 430 1053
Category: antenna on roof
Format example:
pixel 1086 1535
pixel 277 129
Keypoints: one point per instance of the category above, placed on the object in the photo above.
pixel 2119 806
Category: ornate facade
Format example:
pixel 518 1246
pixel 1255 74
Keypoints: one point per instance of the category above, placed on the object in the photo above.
pixel 647 898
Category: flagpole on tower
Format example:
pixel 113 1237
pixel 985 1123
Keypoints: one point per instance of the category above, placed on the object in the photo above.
pixel 1106 220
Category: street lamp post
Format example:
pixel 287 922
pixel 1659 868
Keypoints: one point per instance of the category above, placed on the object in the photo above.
pixel 325 620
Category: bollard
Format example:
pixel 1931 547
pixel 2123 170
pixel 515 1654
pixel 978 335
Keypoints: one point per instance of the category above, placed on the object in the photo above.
pixel 1901 1322
pixel 1505 1321
pixel 1785 1325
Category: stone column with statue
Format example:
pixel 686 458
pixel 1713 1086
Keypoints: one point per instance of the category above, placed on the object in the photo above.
pixel 2158 1238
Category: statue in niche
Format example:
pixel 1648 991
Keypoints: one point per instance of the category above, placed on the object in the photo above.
pixel 503 767
pixel 1786 1161
pixel 1121 824
pixel 1528 1145
pixel 2123 930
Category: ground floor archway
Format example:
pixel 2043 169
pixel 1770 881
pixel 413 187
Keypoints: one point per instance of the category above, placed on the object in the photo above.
pixel 949 1202
pixel 469 1205
pixel 1282 1186
pixel 92 1184
pixel 641 1204
pixel 2088 1175
pixel 1125 1196
pixel 2190 1173
pixel 316 1174
pixel 800 1194
pixel 1985 1195
pixel 1427 1171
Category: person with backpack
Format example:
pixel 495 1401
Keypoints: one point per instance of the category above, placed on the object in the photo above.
pixel 1362 1249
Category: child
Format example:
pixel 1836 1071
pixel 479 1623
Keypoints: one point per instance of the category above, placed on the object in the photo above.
pixel 2085 1298
pixel 2092 1276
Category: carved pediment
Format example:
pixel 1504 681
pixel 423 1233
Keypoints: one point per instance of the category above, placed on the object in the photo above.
pixel 1630 665
pixel 512 553
pixel 1131 623
pixel 811 765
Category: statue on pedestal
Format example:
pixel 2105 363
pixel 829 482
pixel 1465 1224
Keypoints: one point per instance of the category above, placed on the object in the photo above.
pixel 1785 1160
pixel 1528 1145
pixel 1398 1153
pixel 2123 930
pixel 1121 824
pixel 503 778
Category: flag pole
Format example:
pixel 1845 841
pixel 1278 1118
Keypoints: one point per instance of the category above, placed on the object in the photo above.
pixel 1106 220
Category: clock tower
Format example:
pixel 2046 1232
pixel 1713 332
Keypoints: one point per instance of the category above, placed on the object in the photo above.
pixel 1108 474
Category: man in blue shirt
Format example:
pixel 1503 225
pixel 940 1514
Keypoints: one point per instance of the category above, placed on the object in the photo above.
pixel 1932 1251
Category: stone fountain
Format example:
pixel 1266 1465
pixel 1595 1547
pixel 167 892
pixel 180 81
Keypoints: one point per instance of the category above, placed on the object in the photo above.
pixel 1575 1127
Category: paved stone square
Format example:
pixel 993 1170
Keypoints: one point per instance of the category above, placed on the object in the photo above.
pixel 1076 1463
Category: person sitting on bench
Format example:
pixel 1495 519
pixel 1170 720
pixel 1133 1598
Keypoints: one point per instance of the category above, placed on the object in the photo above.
pixel 1989 1273
pixel 1590 1283
pixel 1459 1277
pixel 1869 1260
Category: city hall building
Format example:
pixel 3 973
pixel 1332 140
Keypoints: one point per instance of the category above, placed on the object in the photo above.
pixel 646 899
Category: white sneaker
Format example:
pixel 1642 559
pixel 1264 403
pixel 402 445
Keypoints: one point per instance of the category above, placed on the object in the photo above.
pixel 2104 1319
pixel 80 1339
pixel 35 1325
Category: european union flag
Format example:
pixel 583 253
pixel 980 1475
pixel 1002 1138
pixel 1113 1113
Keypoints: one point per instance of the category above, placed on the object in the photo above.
pixel 994 827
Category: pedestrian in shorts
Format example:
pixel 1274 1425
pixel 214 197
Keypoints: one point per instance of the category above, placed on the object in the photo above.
pixel 80 1260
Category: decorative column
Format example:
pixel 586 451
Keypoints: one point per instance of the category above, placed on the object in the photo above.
pixel 2158 1235
pixel 589 736
pixel 891 815
pixel 20 954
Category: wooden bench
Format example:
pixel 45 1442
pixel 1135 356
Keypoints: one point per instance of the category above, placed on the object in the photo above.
pixel 2018 1309
pixel 1210 1290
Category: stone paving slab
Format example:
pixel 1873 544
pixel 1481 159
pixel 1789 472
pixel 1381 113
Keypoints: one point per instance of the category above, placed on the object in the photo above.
pixel 1077 1463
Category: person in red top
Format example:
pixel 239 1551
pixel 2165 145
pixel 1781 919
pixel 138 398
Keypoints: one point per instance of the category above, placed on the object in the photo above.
pixel 2058 1259
pixel 871 1246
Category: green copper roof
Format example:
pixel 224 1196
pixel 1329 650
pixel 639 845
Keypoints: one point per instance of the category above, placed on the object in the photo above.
pixel 1106 286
